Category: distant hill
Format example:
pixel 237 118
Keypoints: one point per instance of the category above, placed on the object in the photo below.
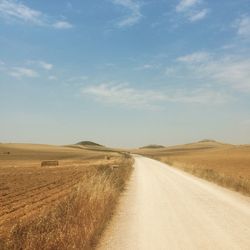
pixel 203 144
pixel 200 145
pixel 153 146
pixel 208 140
pixel 89 143
pixel 213 143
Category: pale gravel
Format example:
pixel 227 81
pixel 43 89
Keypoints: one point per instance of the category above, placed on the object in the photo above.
pixel 166 209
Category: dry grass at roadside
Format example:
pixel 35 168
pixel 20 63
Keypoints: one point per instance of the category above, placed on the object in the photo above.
pixel 239 184
pixel 87 194
pixel 226 165
pixel 76 222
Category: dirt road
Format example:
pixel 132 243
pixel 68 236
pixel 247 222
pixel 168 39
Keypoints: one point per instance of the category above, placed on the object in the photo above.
pixel 166 209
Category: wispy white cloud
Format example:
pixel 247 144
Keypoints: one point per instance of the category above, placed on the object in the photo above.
pixel 16 10
pixel 192 10
pixel 229 70
pixel 62 25
pixel 19 72
pixel 45 65
pixel 199 15
pixel 52 78
pixel 194 57
pixel 40 64
pixel 128 96
pixel 148 67
pixel 134 8
pixel 29 69
pixel 242 26
pixel 185 5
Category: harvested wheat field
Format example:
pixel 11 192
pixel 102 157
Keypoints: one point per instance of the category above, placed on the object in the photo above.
pixel 57 207
pixel 225 164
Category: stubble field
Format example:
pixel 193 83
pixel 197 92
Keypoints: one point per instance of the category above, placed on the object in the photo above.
pixel 82 190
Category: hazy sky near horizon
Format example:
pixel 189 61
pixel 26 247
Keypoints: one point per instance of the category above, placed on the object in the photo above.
pixel 124 72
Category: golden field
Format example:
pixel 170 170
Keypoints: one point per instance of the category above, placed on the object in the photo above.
pixel 57 207
pixel 224 164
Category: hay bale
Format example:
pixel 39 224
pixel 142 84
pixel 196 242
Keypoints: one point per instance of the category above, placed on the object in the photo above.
pixel 49 163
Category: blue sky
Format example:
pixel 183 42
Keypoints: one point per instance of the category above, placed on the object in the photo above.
pixel 124 72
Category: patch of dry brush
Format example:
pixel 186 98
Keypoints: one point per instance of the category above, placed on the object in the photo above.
pixel 78 220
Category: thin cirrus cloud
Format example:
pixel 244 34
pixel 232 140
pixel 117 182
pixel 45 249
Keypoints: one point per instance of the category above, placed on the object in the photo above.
pixel 194 17
pixel 242 26
pixel 185 5
pixel 41 64
pixel 128 96
pixel 192 10
pixel 148 67
pixel 134 9
pixel 52 78
pixel 16 10
pixel 62 25
pixel 30 69
pixel 20 72
pixel 232 71
pixel 196 57
pixel 45 65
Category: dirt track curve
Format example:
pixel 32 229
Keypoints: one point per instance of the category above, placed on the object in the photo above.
pixel 166 209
